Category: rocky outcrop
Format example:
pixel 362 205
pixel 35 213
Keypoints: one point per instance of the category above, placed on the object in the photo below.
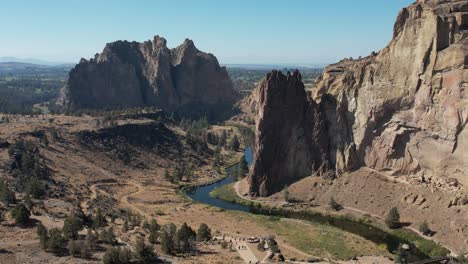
pixel 132 74
pixel 289 134
pixel 402 110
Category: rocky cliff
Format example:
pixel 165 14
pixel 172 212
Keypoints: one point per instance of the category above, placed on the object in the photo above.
pixel 402 110
pixel 132 74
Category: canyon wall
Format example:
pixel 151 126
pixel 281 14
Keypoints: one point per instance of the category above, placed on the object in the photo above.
pixel 132 74
pixel 402 110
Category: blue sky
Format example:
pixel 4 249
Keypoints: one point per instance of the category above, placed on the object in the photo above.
pixel 236 31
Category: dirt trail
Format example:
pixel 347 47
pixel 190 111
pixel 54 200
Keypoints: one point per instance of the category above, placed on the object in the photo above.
pixel 407 227
pixel 237 189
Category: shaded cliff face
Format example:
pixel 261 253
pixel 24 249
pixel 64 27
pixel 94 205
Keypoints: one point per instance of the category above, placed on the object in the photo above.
pixel 130 74
pixel 403 110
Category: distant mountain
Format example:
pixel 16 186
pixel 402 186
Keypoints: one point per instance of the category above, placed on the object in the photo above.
pixel 34 61
pixel 132 74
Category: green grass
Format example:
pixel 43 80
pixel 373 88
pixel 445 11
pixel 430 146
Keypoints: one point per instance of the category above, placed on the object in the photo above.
pixel 426 246
pixel 227 193
pixel 316 239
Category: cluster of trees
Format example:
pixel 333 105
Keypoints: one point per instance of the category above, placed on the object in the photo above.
pixel 7 196
pixel 180 172
pixel 21 212
pixel 58 240
pixel 181 240
pixel 18 93
pixel 195 128
pixel 25 164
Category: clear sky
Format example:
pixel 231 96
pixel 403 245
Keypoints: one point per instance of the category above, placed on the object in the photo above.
pixel 236 31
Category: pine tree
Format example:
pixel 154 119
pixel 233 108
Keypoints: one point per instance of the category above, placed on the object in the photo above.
pixel 167 238
pixel 153 229
pixel 99 219
pixel 41 231
pixel 71 226
pixel 393 218
pixel 142 250
pixel 184 237
pixel 56 241
pixel 21 214
pixel 203 233
pixel 6 195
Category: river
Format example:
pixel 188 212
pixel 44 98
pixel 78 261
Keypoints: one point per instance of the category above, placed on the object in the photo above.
pixel 367 231
pixel 202 194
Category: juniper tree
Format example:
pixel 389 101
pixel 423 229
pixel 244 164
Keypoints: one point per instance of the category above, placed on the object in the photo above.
pixel 203 232
pixel 393 218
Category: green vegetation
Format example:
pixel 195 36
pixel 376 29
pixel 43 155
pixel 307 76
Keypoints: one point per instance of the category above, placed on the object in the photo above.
pixel 427 247
pixel 393 218
pixel 424 228
pixel 318 240
pixel 7 196
pixel 203 233
pixel 360 227
pixel 21 214
pixel 108 236
pixel 98 220
pixel 20 89
pixel 246 79
pixel 71 226
pixel 227 193
pixel 143 251
pixel 117 255
pixel 153 228
pixel 55 241
pixel 185 235
pixel 334 205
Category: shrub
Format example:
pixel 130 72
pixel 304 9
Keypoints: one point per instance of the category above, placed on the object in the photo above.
pixel 424 228
pixel 334 205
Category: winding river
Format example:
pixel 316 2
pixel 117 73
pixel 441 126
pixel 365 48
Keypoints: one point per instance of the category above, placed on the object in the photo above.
pixel 365 230
pixel 202 194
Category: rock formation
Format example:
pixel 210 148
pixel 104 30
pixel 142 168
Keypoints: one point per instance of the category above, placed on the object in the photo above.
pixel 402 110
pixel 132 74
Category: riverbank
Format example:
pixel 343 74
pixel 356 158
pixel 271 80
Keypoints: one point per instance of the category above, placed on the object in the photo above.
pixel 366 226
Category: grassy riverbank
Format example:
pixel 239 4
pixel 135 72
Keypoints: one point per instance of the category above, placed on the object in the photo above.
pixel 228 194
pixel 425 247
